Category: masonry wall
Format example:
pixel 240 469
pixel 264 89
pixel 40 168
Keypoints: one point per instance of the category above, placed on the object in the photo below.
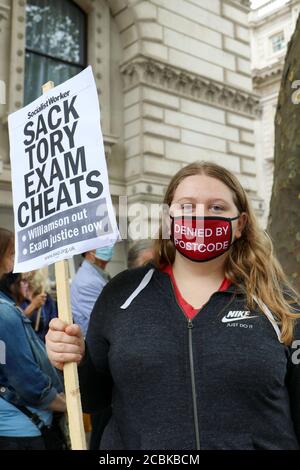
pixel 187 92
pixel 174 85
pixel 5 192
pixel 267 68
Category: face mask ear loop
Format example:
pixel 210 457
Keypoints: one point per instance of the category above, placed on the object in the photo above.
pixel 234 218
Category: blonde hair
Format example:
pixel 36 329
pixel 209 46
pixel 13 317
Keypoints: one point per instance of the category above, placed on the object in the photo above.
pixel 251 263
pixel 6 242
pixel 37 282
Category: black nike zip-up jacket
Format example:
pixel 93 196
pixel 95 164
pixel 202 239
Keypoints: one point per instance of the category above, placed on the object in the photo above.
pixel 220 381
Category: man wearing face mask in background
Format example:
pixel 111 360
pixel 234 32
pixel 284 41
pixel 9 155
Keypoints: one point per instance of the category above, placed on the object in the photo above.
pixel 86 287
pixel 88 283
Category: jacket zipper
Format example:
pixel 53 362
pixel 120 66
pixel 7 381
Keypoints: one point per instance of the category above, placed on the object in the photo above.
pixel 190 326
pixel 195 408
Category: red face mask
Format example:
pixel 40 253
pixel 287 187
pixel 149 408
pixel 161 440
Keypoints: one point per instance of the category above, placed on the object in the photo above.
pixel 201 238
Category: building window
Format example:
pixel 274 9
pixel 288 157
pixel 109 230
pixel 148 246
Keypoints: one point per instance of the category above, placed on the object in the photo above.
pixel 55 44
pixel 277 42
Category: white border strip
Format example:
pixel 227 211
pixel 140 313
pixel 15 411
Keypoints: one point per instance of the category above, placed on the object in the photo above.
pixel 270 317
pixel 144 282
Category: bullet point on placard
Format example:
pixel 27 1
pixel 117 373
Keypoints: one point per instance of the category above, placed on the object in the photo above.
pixel 24 238
pixel 24 251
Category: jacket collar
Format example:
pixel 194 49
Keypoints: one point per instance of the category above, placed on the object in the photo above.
pixel 6 297
pixel 164 278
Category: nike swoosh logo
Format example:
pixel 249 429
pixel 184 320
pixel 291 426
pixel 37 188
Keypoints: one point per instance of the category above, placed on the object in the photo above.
pixel 226 320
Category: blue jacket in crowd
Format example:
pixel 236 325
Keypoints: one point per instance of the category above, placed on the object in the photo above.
pixel 26 375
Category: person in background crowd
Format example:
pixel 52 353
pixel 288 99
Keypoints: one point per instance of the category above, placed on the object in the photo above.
pixel 37 303
pixel 26 376
pixel 196 350
pixel 88 283
pixel 86 287
pixel 140 253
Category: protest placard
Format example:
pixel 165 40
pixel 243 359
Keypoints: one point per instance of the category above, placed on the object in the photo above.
pixel 61 199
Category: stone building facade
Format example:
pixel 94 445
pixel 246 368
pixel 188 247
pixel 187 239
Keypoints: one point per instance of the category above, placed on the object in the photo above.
pixel 175 86
pixel 271 27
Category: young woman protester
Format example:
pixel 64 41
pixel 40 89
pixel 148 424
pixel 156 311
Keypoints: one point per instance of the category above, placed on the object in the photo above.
pixel 30 388
pixel 195 350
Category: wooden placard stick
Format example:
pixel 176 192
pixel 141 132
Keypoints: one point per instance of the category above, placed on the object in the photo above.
pixel 45 274
pixel 72 391
pixel 39 312
pixel 38 320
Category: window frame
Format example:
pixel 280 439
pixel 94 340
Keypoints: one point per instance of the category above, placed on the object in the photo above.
pixel 272 36
pixel 80 65
pixel 98 56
